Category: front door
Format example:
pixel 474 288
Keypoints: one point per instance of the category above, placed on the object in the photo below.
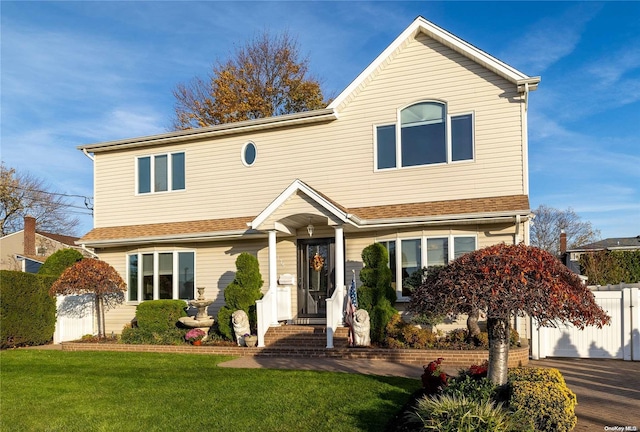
pixel 315 276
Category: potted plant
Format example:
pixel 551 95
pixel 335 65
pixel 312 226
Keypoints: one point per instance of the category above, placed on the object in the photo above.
pixel 250 340
pixel 195 336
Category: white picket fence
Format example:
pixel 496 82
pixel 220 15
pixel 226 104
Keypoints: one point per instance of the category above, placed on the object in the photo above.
pixel 619 340
pixel 75 317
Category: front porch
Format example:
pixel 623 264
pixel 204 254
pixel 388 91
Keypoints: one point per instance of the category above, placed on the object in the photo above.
pixel 313 293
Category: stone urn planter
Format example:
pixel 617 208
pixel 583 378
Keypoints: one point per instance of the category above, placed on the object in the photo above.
pixel 251 341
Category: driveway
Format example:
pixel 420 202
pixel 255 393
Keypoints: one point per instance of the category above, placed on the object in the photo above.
pixel 608 392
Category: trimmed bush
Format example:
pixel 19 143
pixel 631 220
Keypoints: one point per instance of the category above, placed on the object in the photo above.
pixel 542 396
pixel 241 294
pixel 59 261
pixel 160 315
pixel 157 323
pixel 376 295
pixel 27 311
pixel 460 414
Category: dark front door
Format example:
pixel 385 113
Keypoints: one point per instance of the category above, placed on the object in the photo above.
pixel 315 276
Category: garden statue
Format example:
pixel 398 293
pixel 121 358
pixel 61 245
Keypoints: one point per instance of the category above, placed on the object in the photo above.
pixel 241 327
pixel 362 328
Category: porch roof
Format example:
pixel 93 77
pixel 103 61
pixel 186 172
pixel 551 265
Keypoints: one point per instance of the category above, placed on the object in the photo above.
pixel 454 211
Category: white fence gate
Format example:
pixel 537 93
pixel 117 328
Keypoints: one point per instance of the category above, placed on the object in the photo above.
pixel 619 340
pixel 75 317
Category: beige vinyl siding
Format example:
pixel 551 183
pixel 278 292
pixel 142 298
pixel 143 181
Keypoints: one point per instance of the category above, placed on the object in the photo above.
pixel 336 158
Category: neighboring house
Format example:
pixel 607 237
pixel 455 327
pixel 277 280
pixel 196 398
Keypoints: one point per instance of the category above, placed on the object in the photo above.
pixel 571 257
pixel 425 152
pixel 26 250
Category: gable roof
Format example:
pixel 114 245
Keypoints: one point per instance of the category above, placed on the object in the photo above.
pixel 614 243
pixel 421 25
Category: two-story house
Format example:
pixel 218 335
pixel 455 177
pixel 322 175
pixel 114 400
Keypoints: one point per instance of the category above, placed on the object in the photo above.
pixel 424 152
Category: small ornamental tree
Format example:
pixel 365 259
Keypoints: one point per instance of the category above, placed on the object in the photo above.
pixel 505 281
pixel 92 276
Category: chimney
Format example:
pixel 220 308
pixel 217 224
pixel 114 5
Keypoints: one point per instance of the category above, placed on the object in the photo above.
pixel 29 238
pixel 563 241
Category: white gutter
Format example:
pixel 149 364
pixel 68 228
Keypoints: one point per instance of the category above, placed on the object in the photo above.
pixel 317 116
pixel 84 248
pixel 86 153
pixel 431 220
pixel 222 235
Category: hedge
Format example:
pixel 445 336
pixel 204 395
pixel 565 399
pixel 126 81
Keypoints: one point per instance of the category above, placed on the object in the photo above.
pixel 27 311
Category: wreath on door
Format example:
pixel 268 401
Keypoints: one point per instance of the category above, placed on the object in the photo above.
pixel 317 262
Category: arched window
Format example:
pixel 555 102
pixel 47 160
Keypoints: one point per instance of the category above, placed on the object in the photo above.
pixel 425 135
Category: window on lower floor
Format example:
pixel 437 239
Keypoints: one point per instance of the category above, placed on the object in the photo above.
pixel 161 275
pixel 406 256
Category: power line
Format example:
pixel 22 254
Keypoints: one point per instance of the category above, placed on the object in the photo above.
pixel 53 193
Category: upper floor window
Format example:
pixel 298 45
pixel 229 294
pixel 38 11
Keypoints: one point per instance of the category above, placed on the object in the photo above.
pixel 161 173
pixel 249 153
pixel 424 135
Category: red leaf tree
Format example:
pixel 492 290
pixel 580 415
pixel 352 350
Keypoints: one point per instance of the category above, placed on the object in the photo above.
pixel 505 281
pixel 92 276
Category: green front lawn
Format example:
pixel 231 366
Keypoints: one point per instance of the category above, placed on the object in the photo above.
pixel 108 391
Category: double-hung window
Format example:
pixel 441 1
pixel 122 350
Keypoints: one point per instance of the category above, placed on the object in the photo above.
pixel 161 173
pixel 160 275
pixel 424 135
pixel 408 255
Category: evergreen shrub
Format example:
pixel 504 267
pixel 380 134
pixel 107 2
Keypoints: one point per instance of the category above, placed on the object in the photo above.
pixel 241 294
pixel 157 323
pixel 59 261
pixel 376 295
pixel 27 311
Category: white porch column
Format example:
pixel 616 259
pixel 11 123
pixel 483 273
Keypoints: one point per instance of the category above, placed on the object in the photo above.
pixel 339 267
pixel 273 278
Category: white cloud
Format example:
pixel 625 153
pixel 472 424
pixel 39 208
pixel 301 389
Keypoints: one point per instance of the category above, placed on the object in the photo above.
pixel 550 39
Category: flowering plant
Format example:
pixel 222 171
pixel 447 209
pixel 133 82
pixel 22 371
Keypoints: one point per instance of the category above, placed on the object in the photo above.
pixel 195 335
pixel 317 262
pixel 247 335
pixel 434 378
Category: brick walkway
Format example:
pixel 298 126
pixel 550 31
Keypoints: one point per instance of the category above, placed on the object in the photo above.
pixel 608 392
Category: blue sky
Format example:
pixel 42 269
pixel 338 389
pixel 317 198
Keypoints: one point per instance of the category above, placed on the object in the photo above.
pixel 77 73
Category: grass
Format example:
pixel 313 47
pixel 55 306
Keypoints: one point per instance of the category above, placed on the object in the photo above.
pixel 109 391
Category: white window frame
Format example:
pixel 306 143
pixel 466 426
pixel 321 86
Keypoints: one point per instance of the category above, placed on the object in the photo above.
pixel 448 139
pixel 423 239
pixel 152 173
pixel 156 274
pixel 243 155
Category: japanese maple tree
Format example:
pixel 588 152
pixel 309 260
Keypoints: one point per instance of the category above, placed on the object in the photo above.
pixel 92 276
pixel 505 281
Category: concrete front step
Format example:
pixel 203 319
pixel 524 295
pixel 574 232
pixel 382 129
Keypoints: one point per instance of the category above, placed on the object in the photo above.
pixel 304 336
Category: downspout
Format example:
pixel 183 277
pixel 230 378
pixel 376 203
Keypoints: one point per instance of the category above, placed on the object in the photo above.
pixel 525 140
pixel 517 235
